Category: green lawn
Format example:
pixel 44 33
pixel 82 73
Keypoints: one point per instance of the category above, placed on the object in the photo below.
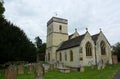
pixel 106 73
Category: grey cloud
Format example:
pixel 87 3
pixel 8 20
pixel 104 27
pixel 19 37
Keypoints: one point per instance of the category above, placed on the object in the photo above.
pixel 32 16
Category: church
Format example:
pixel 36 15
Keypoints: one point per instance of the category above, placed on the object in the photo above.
pixel 75 50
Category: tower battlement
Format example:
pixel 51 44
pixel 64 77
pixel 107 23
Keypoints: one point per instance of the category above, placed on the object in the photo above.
pixel 56 19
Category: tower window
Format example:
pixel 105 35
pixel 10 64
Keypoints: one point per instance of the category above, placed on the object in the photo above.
pixel 88 49
pixel 60 27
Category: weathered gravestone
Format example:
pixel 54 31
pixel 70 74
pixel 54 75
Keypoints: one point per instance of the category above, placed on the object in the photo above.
pixel 11 73
pixel 114 59
pixel 30 68
pixel 39 71
pixel 103 66
pixel 20 69
pixel 82 69
pixel 61 65
pixel 51 67
pixel 100 64
pixel 46 67
pixel 91 64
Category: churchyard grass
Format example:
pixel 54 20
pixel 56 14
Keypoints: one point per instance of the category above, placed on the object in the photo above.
pixel 106 73
pixel 2 74
pixel 26 75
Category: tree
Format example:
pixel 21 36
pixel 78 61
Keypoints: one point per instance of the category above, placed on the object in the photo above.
pixel 40 48
pixel 38 42
pixel 14 44
pixel 116 50
pixel 2 9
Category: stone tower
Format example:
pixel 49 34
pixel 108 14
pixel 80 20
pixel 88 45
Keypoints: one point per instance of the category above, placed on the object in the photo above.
pixel 56 34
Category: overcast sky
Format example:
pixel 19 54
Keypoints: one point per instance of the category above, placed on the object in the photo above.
pixel 32 16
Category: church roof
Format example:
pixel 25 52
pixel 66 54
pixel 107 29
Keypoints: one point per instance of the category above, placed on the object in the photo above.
pixel 95 37
pixel 71 43
pixel 70 36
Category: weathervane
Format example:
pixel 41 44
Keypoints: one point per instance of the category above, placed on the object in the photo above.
pixel 56 14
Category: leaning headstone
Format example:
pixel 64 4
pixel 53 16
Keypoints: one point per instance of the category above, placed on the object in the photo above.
pixel 10 72
pixel 82 69
pixel 51 67
pixel 39 71
pixel 20 69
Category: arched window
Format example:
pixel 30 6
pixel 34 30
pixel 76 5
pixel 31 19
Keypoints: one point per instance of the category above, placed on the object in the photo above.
pixel 71 55
pixel 65 56
pixel 88 49
pixel 60 56
pixel 48 56
pixel 103 49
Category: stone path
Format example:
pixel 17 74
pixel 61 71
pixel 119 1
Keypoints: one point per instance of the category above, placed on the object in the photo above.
pixel 117 76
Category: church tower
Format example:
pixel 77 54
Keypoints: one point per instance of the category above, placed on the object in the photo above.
pixel 56 34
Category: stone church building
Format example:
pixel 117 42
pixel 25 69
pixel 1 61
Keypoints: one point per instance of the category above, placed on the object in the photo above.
pixel 75 50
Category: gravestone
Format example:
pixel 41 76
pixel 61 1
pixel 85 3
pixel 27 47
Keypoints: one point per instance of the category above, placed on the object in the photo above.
pixel 100 64
pixel 103 66
pixel 114 59
pixel 51 67
pixel 60 65
pixel 20 69
pixel 91 64
pixel 10 72
pixel 39 71
pixel 82 69
pixel 30 68
pixel 46 67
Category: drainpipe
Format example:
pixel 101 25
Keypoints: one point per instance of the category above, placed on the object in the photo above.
pixel 95 55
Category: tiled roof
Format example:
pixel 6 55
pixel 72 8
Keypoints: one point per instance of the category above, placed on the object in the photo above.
pixel 70 36
pixel 71 43
pixel 95 37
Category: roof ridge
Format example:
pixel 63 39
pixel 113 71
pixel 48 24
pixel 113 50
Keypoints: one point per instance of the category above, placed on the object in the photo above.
pixel 71 42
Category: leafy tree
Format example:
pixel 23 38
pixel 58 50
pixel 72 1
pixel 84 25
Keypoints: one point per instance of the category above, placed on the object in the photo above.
pixel 38 42
pixel 116 50
pixel 40 48
pixel 14 44
pixel 2 9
